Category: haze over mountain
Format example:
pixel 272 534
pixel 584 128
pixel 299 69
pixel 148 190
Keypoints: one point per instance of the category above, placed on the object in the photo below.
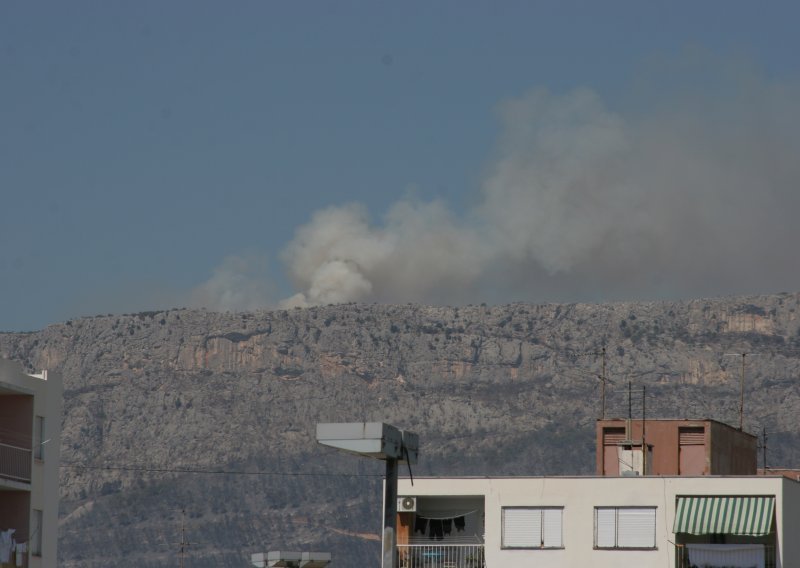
pixel 213 413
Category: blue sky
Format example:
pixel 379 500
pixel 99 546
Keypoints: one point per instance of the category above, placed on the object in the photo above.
pixel 165 154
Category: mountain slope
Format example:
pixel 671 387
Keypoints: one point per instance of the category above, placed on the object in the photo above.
pixel 214 413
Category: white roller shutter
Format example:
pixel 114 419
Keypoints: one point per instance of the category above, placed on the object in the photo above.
pixel 552 528
pixel 636 527
pixel 522 528
pixel 605 527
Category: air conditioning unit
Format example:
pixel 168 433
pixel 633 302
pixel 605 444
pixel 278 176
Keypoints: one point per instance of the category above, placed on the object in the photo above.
pixel 406 504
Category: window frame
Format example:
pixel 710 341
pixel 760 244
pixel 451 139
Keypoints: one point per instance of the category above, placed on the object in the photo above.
pixel 36 538
pixel 39 438
pixel 542 534
pixel 616 510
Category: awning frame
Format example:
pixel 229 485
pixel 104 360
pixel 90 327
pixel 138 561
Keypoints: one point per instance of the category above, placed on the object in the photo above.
pixel 742 515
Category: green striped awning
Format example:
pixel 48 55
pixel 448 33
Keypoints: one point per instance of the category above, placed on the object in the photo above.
pixel 724 515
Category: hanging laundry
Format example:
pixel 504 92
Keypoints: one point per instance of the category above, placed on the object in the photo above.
pixel 435 530
pixel 447 525
pixel 6 543
pixel 420 525
pixel 460 523
pixel 22 548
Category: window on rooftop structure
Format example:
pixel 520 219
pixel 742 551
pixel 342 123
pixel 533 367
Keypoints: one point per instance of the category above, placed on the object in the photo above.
pixel 612 438
pixel 691 450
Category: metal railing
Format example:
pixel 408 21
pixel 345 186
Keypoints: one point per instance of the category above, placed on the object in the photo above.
pixel 440 556
pixel 682 556
pixel 15 463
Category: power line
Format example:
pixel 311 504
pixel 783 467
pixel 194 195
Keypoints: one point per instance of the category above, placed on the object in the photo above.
pixel 213 471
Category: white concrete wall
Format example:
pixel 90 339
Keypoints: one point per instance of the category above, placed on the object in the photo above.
pixel 47 391
pixel 580 495
pixel 788 511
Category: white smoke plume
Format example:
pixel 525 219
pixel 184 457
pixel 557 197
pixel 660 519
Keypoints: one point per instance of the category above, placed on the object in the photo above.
pixel 419 252
pixel 239 283
pixel 694 193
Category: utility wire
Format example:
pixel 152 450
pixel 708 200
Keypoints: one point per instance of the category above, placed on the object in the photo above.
pixel 214 471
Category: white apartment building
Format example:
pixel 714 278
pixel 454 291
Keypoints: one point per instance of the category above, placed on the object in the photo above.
pixel 602 522
pixel 692 500
pixel 30 438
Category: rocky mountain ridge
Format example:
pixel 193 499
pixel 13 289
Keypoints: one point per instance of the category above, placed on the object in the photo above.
pixel 213 413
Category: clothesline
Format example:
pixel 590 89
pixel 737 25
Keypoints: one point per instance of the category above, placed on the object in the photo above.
pixel 445 517
pixel 436 529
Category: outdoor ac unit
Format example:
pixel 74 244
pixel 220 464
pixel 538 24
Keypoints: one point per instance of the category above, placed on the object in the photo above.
pixel 406 504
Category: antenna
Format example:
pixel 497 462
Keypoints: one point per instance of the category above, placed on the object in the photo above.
pixel 630 401
pixel 629 423
pixel 741 389
pixel 741 395
pixel 184 544
pixel 644 442
pixel 603 379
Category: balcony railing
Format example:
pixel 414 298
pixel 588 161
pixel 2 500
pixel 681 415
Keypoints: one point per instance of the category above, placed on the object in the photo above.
pixel 440 556
pixel 682 556
pixel 15 463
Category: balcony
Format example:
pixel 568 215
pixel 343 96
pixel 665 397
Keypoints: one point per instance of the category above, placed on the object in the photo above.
pixel 15 463
pixel 440 556
pixel 728 555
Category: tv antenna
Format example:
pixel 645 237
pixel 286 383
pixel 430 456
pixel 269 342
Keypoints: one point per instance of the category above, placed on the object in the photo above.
pixel 603 381
pixel 602 377
pixel 741 387
pixel 184 543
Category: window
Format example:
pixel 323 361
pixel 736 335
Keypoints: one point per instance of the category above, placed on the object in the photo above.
pixel 532 527
pixel 36 535
pixel 625 527
pixel 612 438
pixel 691 451
pixel 38 438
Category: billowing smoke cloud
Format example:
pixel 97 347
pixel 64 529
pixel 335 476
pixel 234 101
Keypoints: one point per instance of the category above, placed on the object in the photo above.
pixel 239 283
pixel 419 252
pixel 692 194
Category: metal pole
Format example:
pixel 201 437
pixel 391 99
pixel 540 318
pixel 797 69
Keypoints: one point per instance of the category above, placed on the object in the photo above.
pixel 390 514
pixel 183 535
pixel 644 441
pixel 741 397
pixel 630 404
pixel 603 413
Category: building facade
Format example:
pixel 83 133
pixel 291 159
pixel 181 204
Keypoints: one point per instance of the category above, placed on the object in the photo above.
pixel 603 522
pixel 30 439
pixel 667 494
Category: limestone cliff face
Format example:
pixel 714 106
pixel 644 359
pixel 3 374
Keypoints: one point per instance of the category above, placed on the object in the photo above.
pixel 495 390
